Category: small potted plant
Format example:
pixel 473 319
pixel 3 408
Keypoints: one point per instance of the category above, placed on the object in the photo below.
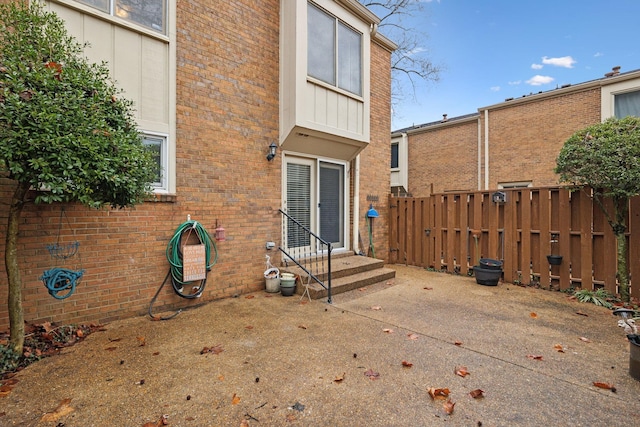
pixel 628 323
pixel 486 271
pixel 552 258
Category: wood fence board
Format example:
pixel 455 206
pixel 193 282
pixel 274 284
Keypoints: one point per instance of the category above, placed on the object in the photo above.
pixel 564 230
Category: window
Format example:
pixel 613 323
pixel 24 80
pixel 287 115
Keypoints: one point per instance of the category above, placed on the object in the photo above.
pixel 334 51
pixel 148 13
pixel 394 156
pixel 158 146
pixel 515 184
pixel 627 104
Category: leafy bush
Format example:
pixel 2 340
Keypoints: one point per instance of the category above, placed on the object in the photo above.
pixel 599 297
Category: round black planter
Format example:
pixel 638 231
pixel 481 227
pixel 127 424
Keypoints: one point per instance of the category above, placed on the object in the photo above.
pixel 487 276
pixel 490 264
pixel 554 259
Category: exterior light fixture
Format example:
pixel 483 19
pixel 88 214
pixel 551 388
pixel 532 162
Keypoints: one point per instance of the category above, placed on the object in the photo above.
pixel 272 151
pixel 219 233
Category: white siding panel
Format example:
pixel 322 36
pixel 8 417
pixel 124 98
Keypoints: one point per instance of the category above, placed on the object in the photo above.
pixel 154 101
pixel 99 35
pixel 319 100
pixel 333 108
pixel 127 65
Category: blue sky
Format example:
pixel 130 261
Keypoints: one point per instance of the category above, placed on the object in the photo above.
pixel 496 49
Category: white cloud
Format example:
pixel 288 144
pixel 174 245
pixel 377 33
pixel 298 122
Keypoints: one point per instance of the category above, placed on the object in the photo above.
pixel 539 80
pixel 515 82
pixel 536 66
pixel 565 61
pixel 495 88
pixel 597 54
pixel 416 51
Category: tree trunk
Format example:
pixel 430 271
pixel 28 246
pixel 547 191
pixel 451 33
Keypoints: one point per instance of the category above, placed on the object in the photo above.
pixel 621 212
pixel 16 317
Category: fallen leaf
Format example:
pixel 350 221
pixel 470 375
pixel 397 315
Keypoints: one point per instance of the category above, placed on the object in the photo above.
pixel 462 371
pixel 244 423
pixel 339 378
pixel 79 333
pixel 406 364
pixel 534 356
pixel 248 327
pixel 376 307
pixel 47 327
pixel 579 313
pixel 163 421
pixel 114 339
pixel 388 331
pixel 142 341
pixel 458 343
pixel 533 315
pixel 235 400
pixel 290 418
pixel 389 283
pixel 448 406
pixel 362 289
pixel 476 393
pixel 216 349
pixel 438 393
pixel 605 386
pixel 221 377
pixel 559 348
pixel 302 326
pixel 585 339
pixel 372 375
pixel 111 348
pixel 428 288
pixel 412 336
pixel 250 296
pixel 63 409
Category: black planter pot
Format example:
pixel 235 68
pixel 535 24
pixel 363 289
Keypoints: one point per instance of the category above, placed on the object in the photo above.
pixel 490 264
pixel 634 356
pixel 487 276
pixel 554 259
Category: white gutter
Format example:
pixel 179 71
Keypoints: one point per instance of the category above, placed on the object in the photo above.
pixel 356 205
pixel 486 149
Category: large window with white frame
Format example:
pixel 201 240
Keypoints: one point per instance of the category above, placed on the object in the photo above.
pixel 151 14
pixel 157 145
pixel 334 51
pixel 626 104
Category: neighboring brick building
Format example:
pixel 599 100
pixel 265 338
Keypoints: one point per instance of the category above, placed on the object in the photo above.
pixel 514 143
pixel 215 83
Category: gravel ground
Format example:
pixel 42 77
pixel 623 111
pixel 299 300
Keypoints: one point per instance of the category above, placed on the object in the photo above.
pixel 368 359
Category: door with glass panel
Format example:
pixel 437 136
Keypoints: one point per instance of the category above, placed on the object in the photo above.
pixel 315 197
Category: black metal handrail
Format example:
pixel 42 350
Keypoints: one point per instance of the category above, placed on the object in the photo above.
pixel 311 253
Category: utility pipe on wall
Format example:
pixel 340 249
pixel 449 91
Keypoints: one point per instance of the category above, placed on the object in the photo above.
pixel 356 204
pixel 486 149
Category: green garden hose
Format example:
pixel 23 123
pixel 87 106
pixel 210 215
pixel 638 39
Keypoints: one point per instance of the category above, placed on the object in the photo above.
pixel 174 256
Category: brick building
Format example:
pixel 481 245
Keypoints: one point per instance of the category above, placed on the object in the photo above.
pixel 511 144
pixel 214 85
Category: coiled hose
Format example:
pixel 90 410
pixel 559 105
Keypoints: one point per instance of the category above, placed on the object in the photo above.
pixel 174 256
pixel 58 280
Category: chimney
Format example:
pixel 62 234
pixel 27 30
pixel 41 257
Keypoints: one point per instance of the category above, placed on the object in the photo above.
pixel 614 71
pixel 444 118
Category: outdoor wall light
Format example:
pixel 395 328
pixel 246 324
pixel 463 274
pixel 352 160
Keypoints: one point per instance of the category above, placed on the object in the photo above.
pixel 272 151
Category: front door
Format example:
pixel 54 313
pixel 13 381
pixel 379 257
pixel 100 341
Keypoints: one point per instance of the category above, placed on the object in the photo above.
pixel 315 197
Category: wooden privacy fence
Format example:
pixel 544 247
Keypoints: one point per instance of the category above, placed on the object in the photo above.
pixel 452 231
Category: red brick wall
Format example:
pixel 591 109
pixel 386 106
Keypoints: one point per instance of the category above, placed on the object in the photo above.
pixel 227 115
pixel 525 139
pixel 374 160
pixel 445 157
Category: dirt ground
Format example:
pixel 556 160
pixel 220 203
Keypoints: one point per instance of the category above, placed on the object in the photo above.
pixel 369 359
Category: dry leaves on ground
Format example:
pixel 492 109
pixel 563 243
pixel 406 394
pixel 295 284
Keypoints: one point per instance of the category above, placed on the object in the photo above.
pixel 438 393
pixel 448 406
pixel 64 408
pixel 372 375
pixel 216 349
pixel 476 393
pixel 461 371
pixel 606 386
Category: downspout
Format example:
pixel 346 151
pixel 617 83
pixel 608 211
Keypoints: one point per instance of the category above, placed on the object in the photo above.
pixel 356 204
pixel 479 150
pixel 486 149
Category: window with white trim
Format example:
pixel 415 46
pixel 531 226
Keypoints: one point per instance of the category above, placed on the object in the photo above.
pixel 334 53
pixel 395 159
pixel 151 14
pixel 157 144
pixel 514 184
pixel 626 104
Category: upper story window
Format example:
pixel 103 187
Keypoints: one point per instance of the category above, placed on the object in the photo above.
pixel 148 13
pixel 627 104
pixel 334 51
pixel 395 148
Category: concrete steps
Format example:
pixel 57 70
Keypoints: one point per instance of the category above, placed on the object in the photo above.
pixel 348 272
